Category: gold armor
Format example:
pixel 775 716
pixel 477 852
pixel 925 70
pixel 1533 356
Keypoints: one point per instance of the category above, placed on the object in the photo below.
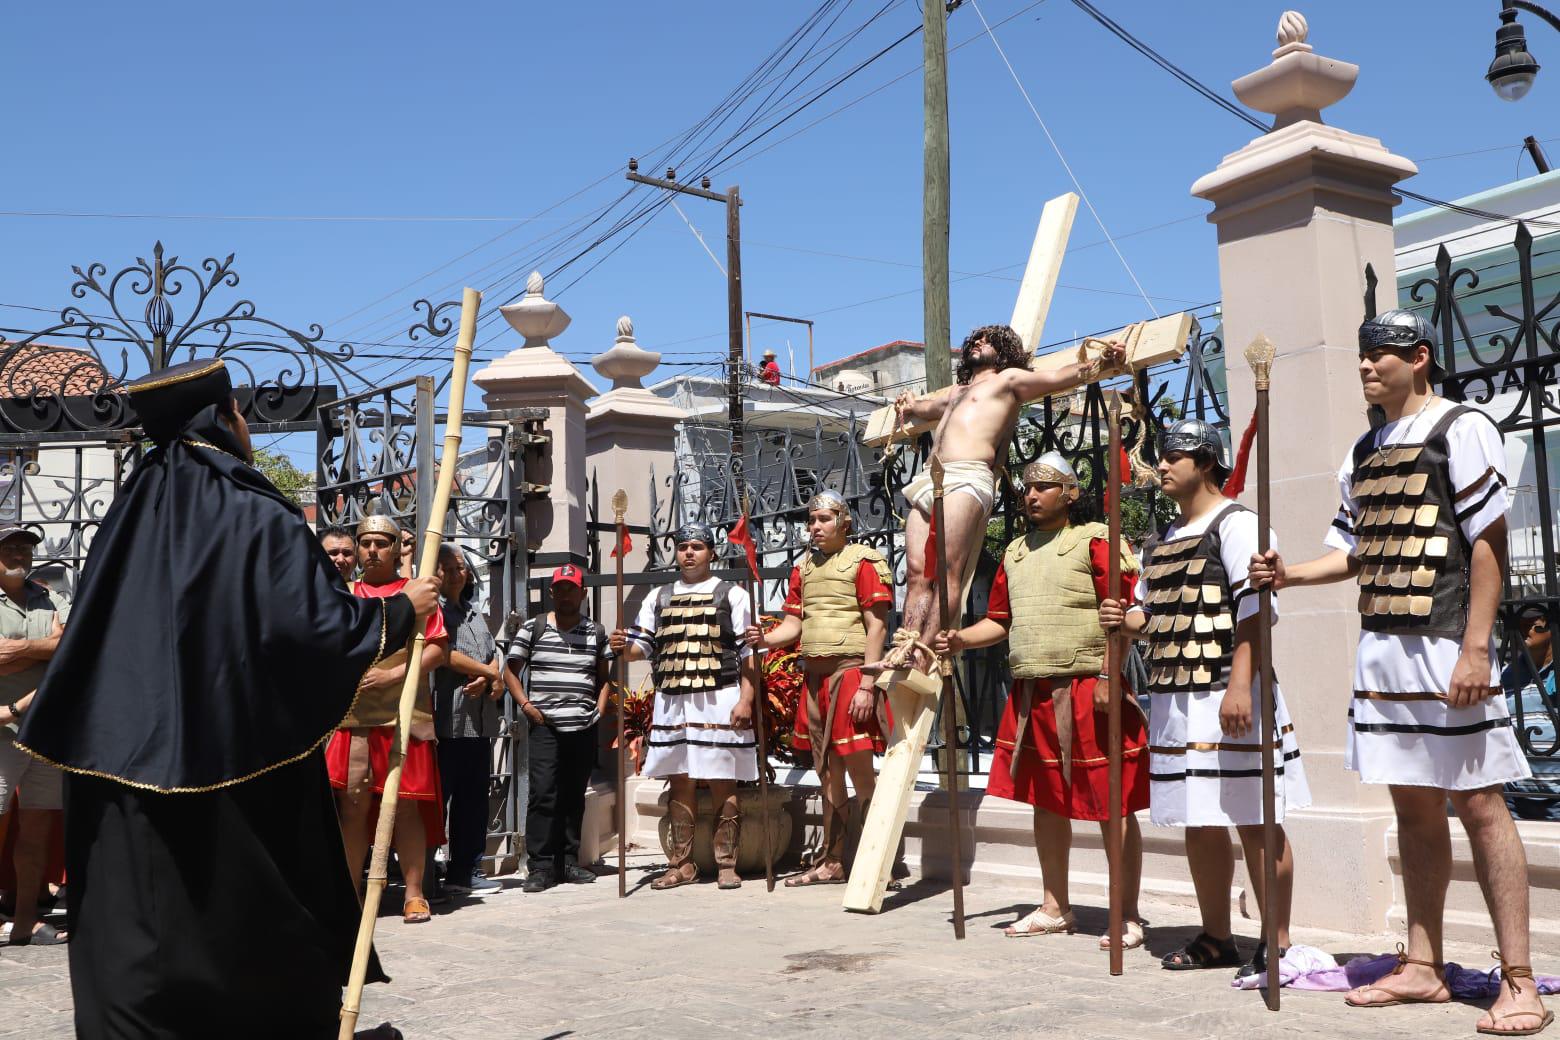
pixel 832 623
pixel 1056 628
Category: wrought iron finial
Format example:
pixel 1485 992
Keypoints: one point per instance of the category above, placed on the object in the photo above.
pixel 1292 28
pixel 1260 357
pixel 619 505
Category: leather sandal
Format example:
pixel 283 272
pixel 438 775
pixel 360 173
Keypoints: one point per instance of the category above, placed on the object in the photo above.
pixel 1203 952
pixel 1039 922
pixel 1131 936
pixel 1395 998
pixel 1508 972
pixel 814 876
pixel 416 911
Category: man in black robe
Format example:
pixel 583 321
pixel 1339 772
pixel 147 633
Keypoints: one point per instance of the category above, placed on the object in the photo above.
pixel 212 650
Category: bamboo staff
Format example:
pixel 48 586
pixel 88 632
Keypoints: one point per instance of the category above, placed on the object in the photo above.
pixel 949 707
pixel 1113 662
pixel 1260 357
pixel 620 665
pixel 471 302
pixel 761 706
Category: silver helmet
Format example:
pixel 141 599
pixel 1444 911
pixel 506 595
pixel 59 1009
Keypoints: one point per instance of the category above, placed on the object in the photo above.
pixel 1400 330
pixel 1194 435
pixel 694 531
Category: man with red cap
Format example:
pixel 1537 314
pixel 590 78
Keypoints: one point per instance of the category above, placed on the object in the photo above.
pixel 567 663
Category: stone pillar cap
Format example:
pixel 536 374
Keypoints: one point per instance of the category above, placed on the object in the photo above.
pixel 1298 83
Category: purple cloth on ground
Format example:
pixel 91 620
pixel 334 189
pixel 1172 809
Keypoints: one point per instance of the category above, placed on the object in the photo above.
pixel 1307 968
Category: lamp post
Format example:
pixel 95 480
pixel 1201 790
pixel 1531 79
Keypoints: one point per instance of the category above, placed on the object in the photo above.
pixel 1512 72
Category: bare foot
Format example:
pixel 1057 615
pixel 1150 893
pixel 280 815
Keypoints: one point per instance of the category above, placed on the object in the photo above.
pixel 1512 1012
pixel 1409 984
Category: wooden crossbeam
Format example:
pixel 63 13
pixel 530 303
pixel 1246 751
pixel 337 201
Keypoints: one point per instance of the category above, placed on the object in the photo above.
pixel 1161 340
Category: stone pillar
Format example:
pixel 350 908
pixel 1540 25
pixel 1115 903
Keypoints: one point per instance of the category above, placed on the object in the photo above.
pixel 1299 212
pixel 631 439
pixel 535 376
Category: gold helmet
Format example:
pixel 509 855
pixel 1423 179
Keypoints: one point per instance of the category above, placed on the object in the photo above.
pixel 379 524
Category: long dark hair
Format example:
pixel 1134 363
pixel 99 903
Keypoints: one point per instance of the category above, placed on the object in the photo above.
pixel 1010 350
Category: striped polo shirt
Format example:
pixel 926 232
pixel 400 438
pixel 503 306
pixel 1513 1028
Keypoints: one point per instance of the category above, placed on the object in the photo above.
pixel 561 673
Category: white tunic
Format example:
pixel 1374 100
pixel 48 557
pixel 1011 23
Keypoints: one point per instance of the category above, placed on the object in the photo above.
pixel 1198 777
pixel 1425 743
pixel 691 732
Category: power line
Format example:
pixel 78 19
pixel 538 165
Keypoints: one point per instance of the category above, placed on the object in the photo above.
pixel 1231 107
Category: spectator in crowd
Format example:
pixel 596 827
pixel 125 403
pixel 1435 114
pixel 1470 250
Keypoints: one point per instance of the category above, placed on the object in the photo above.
pixel 769 371
pixel 465 716
pixel 341 547
pixel 566 661
pixel 1538 642
pixel 31 622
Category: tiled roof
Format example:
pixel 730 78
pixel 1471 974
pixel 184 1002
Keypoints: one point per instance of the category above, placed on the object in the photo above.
pixel 39 368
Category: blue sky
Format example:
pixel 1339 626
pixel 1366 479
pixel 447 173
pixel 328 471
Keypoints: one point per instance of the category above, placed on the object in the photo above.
pixel 486 110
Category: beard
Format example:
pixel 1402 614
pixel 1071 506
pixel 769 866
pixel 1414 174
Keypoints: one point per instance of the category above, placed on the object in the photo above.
pixel 978 360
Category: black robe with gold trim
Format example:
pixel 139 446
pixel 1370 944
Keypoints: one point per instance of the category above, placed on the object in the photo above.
pixel 212 648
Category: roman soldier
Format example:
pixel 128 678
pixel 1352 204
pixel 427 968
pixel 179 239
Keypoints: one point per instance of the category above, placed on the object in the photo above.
pixel 837 605
pixel 358 755
pixel 1198 613
pixel 1422 528
pixel 1051 743
pixel 702 718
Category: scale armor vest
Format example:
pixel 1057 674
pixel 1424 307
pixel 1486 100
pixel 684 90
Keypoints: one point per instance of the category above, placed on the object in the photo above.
pixel 1414 560
pixel 1055 610
pixel 832 624
pixel 381 706
pixel 1191 625
pixel 695 645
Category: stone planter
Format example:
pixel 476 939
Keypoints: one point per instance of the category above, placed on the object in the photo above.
pixel 750 848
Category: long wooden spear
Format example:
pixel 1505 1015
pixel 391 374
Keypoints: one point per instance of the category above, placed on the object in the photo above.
pixel 620 665
pixel 1260 357
pixel 384 831
pixel 949 706
pixel 761 705
pixel 1113 662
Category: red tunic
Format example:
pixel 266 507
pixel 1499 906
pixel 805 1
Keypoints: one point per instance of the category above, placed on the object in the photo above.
pixel 849 735
pixel 420 772
pixel 1040 782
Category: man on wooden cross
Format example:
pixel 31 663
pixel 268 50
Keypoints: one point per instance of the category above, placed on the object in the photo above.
pixel 1422 526
pixel 974 425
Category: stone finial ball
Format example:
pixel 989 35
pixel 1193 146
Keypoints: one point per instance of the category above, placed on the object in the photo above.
pixel 533 284
pixel 625 328
pixel 1292 28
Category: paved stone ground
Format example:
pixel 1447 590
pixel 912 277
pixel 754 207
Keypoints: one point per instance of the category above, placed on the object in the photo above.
pixel 577 962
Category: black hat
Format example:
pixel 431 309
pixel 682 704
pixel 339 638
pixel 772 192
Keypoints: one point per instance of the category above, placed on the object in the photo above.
pixel 166 400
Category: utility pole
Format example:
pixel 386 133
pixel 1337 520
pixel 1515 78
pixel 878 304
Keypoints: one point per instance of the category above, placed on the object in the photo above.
pixel 735 364
pixel 934 191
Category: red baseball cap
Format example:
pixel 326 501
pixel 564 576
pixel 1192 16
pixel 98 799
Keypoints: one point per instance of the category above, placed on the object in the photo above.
pixel 570 575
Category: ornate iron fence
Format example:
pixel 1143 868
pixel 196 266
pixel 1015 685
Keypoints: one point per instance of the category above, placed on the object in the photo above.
pixel 788 466
pixel 1501 357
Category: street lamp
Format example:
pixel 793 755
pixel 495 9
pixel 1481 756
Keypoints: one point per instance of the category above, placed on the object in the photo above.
pixel 1511 73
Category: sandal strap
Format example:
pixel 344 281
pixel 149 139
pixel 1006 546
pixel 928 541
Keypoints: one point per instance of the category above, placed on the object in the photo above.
pixel 1508 972
pixel 1404 960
